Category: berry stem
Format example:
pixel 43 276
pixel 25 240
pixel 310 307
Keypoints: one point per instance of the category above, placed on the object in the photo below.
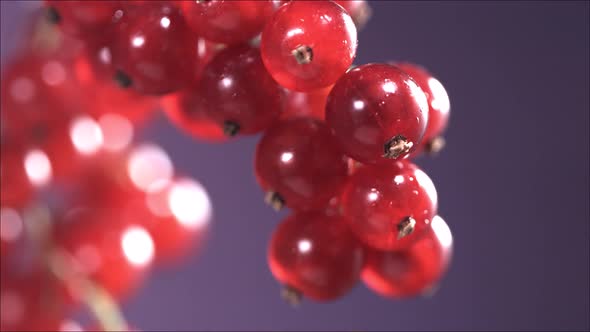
pixel 406 227
pixel 122 79
pixel 100 303
pixel 303 54
pixel 291 295
pixel 274 200
pixel 230 128
pixel 396 146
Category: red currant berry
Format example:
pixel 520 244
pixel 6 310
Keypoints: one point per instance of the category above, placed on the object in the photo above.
pixel 316 255
pixel 38 104
pixel 227 22
pixel 438 102
pixel 377 112
pixel 16 188
pixel 359 10
pixel 154 50
pixel 390 206
pixel 306 104
pixel 102 96
pixel 243 98
pixel 412 271
pixel 179 212
pixel 113 253
pixel 30 302
pixel 308 45
pixel 82 18
pixel 104 184
pixel 299 164
pixel 188 111
pixel 36 90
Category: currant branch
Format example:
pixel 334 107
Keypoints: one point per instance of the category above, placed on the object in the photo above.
pixel 61 264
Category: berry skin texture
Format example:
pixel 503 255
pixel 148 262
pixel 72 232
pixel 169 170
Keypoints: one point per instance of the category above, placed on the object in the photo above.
pixel 438 103
pixel 377 113
pixel 316 255
pixel 308 45
pixel 389 206
pixel 299 161
pixel 242 96
pixel 227 22
pixel 82 18
pixel 154 50
pixel 413 271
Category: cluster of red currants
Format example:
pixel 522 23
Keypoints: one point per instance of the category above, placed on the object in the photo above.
pixel 336 147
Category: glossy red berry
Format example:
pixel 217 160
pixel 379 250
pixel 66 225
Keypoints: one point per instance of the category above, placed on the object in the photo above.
pixel 178 213
pixel 188 110
pixel 308 45
pixel 412 271
pixel 438 105
pixel 389 206
pixel 316 255
pixel 306 104
pixel 113 253
pixel 153 49
pixel 227 22
pixel 243 98
pixel 300 165
pixel 86 19
pixel 377 113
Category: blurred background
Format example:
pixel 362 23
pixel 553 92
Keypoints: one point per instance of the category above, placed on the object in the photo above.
pixel 513 183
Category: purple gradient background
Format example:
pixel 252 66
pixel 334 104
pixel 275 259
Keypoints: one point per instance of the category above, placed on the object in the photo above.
pixel 513 184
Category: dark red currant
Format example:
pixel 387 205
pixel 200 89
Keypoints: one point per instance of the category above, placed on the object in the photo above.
pixel 243 98
pixel 438 102
pixel 308 45
pixel 81 17
pixel 377 113
pixel 227 22
pixel 316 255
pixel 102 95
pixel 414 270
pixel 154 50
pixel 389 206
pixel 300 165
